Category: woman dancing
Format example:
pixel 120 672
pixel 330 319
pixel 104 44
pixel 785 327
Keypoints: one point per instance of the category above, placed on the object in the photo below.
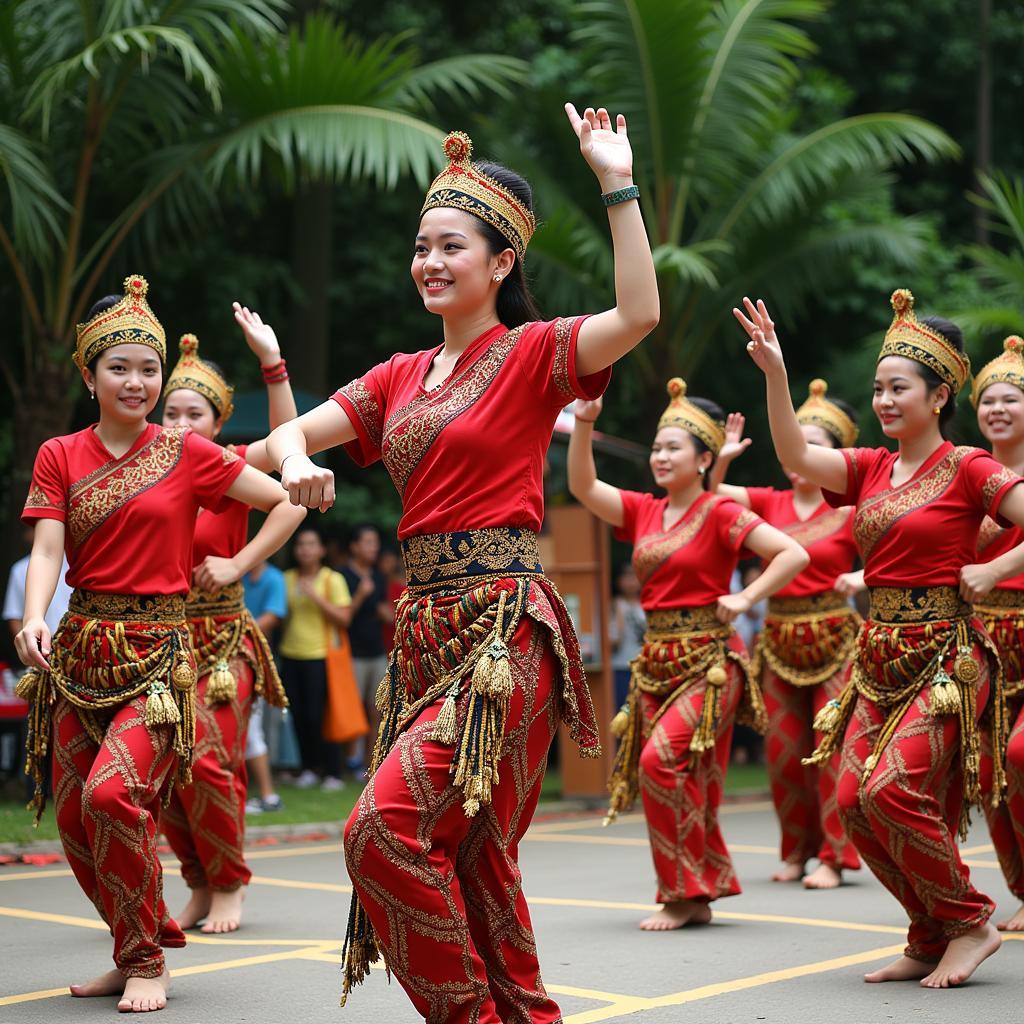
pixel 691 676
pixel 112 697
pixel 486 661
pixel 802 655
pixel 205 821
pixel 925 669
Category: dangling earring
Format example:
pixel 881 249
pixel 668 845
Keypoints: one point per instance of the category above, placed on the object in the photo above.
pixel 702 470
pixel 92 394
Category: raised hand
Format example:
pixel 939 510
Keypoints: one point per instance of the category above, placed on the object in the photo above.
pixel 605 148
pixel 587 410
pixel 735 443
pixel 764 347
pixel 260 337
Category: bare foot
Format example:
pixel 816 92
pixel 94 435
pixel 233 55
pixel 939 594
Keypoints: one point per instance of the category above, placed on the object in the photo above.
pixel 1014 924
pixel 225 913
pixel 789 873
pixel 904 969
pixel 144 994
pixel 824 876
pixel 677 914
pixel 109 984
pixel 963 956
pixel 196 909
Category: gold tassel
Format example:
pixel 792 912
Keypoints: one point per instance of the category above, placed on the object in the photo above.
pixel 828 717
pixel 183 676
pixel 945 696
pixel 221 686
pixel 492 674
pixel 26 686
pixel 704 735
pixel 160 707
pixel 831 722
pixel 446 724
pixel 620 723
pixel 382 698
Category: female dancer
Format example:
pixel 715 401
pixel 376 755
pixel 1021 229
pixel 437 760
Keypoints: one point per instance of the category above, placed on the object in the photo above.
pixel 486 660
pixel 691 676
pixel 803 653
pixel 925 668
pixel 205 821
pixel 113 694
pixel 998 396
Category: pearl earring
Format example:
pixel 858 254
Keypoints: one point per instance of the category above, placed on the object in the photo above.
pixel 92 394
pixel 497 278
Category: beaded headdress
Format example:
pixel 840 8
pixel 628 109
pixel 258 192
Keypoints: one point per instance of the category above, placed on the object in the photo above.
pixel 910 338
pixel 818 411
pixel 461 186
pixel 682 413
pixel 128 322
pixel 198 375
pixel 1006 368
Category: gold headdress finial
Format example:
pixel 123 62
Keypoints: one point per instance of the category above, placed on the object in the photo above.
pixel 198 375
pixel 682 413
pixel 461 186
pixel 129 322
pixel 818 411
pixel 1006 368
pixel 911 339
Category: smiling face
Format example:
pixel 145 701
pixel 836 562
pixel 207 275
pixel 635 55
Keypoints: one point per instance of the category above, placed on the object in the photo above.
pixel 184 407
pixel 127 382
pixel 452 265
pixel 1001 414
pixel 674 459
pixel 902 400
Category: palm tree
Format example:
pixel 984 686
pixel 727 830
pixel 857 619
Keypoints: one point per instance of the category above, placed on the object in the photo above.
pixel 738 198
pixel 119 115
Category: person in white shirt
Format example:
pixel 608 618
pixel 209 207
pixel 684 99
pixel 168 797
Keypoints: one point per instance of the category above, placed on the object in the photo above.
pixel 14 598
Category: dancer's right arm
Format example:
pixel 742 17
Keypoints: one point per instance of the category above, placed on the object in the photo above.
pixel 290 445
pixel 602 499
pixel 735 445
pixel 44 569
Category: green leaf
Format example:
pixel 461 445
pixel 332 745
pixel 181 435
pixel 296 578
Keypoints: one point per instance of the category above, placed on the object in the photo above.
pixel 33 203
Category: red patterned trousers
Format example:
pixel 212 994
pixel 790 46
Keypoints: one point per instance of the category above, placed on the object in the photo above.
pixel 904 820
pixel 107 801
pixel 443 891
pixel 1006 822
pixel 804 795
pixel 682 792
pixel 205 821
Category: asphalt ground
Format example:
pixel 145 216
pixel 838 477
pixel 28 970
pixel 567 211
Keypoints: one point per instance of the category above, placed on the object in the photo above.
pixel 777 953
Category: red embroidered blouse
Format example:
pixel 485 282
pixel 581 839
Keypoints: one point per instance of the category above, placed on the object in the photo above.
pixel 470 453
pixel 923 532
pixel 222 533
pixel 691 563
pixel 827 536
pixel 129 522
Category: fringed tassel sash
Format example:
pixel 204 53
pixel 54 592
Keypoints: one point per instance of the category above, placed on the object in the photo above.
pixel 682 648
pixel 897 658
pixel 108 650
pixel 1002 612
pixel 220 625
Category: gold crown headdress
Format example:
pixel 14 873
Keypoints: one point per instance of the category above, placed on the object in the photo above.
pixel 129 322
pixel 461 186
pixel 910 338
pixel 818 411
pixel 1006 368
pixel 198 375
pixel 682 413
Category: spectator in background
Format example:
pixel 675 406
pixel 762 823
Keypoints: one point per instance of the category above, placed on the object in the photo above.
pixel 266 597
pixel 14 598
pixel 626 629
pixel 318 603
pixel 389 565
pixel 370 609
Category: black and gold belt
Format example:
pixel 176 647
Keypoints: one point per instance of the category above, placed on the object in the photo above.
pixel 917 604
pixel 448 559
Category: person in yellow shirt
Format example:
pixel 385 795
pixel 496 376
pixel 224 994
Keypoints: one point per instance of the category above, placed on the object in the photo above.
pixel 318 604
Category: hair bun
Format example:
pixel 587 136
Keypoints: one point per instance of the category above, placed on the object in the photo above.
pixel 458 147
pixel 902 301
pixel 676 387
pixel 188 345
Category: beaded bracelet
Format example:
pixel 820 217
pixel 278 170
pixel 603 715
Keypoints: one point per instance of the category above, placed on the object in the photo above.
pixel 276 374
pixel 620 195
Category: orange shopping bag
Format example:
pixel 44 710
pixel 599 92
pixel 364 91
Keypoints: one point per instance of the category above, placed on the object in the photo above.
pixel 345 716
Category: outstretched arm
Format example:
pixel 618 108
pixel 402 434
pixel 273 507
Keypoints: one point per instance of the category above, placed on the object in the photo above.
pixel 825 467
pixel 608 336
pixel 602 499
pixel 785 559
pixel 735 445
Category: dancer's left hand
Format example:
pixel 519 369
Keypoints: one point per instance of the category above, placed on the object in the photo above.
pixel 976 582
pixel 732 606
pixel 604 146
pixel 215 573
pixel 260 337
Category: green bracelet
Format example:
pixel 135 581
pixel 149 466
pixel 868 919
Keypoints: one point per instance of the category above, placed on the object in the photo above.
pixel 620 195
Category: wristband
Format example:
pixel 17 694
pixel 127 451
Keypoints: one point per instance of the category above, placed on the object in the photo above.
pixel 276 374
pixel 620 195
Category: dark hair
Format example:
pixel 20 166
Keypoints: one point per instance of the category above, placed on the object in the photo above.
pixel 217 369
pixel 100 306
pixel 842 407
pixel 310 528
pixel 357 531
pixel 515 303
pixel 932 380
pixel 717 413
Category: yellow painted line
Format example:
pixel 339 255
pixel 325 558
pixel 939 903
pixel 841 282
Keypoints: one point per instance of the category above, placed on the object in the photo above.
pixel 38 915
pixel 20 876
pixel 290 883
pixel 611 840
pixel 28 997
pixel 966 851
pixel 811 922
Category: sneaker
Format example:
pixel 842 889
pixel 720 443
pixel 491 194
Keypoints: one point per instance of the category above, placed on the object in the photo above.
pixel 307 780
pixel 260 805
pixel 254 805
pixel 331 785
